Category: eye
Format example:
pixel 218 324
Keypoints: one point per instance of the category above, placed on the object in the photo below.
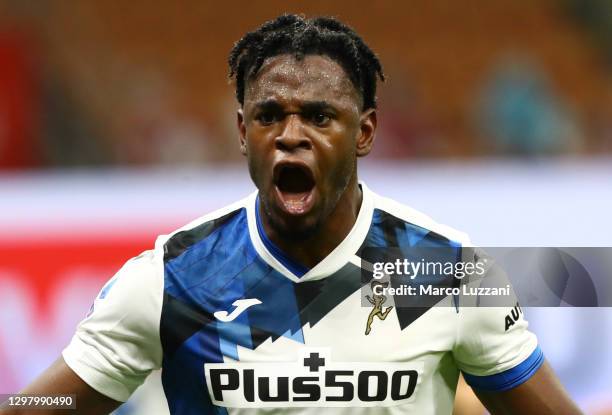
pixel 320 119
pixel 267 118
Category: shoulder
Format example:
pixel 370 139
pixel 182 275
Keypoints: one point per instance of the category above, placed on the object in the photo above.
pixel 134 293
pixel 177 242
pixel 389 209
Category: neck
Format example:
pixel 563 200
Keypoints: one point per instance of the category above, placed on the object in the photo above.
pixel 309 252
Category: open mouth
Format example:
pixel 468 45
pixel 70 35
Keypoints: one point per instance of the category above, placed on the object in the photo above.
pixel 294 185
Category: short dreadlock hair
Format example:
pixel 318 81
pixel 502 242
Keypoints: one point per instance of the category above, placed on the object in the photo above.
pixel 296 35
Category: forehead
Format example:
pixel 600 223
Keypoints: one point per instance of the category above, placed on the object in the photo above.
pixel 313 78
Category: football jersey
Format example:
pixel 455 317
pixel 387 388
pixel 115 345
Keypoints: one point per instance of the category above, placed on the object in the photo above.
pixel 237 327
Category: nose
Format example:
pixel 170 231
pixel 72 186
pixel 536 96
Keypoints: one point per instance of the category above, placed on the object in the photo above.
pixel 292 136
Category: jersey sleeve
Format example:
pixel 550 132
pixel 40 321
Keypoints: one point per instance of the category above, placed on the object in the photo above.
pixel 494 348
pixel 117 345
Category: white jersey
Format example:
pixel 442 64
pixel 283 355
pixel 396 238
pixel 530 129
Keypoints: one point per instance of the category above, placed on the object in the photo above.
pixel 239 328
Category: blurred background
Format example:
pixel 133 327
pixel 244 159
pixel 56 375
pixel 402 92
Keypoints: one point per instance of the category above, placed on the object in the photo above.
pixel 117 123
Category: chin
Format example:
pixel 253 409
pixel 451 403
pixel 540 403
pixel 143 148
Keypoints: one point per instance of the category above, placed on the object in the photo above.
pixel 297 228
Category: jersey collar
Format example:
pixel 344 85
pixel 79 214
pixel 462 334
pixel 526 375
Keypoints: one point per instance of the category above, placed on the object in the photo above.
pixel 342 254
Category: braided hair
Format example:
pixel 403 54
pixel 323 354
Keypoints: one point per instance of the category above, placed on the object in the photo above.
pixel 296 35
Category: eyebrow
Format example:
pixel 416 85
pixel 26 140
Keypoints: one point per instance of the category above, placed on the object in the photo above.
pixel 315 106
pixel 269 105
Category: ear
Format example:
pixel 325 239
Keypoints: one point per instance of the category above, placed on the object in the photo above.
pixel 365 140
pixel 241 131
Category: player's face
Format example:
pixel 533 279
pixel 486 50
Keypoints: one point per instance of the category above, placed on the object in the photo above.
pixel 301 129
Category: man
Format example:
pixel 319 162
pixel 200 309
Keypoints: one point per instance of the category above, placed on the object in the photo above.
pixel 259 305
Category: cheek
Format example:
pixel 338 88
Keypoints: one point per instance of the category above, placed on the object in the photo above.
pixel 340 159
pixel 260 139
pixel 258 153
pixel 253 155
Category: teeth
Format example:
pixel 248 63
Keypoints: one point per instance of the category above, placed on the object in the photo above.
pixel 294 203
pixel 295 197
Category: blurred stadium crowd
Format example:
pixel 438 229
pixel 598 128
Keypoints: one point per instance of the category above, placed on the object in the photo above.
pixel 90 83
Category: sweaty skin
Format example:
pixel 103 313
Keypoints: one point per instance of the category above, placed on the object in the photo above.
pixel 306 112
